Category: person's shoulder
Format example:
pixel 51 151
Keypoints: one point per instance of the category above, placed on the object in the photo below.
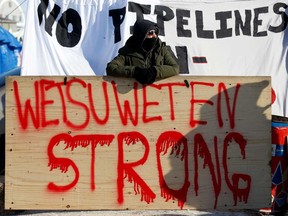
pixel 162 46
pixel 128 47
pixel 161 43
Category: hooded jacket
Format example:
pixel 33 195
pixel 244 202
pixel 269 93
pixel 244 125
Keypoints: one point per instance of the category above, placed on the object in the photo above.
pixel 133 55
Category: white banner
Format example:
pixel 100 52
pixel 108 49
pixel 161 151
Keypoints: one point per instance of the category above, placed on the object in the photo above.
pixel 207 37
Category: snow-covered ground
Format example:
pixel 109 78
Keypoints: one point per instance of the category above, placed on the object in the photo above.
pixel 139 213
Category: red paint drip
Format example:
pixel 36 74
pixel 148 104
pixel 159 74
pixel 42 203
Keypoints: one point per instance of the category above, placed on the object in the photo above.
pixel 231 111
pixel 126 113
pixel 201 150
pixel 65 163
pixel 138 189
pixel 243 193
pixel 126 171
pixel 79 104
pixel 85 140
pixel 93 110
pixel 193 121
pixel 174 141
pixel 24 111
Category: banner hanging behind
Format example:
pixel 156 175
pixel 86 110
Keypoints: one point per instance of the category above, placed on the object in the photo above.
pixel 226 38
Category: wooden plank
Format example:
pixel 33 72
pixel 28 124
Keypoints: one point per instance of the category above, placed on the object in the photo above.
pixel 86 143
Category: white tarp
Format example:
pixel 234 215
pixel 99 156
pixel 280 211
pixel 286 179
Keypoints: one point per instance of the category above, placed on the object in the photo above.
pixel 208 37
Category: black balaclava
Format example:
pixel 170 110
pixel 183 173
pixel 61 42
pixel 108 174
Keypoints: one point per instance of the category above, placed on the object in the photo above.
pixel 149 43
pixel 140 30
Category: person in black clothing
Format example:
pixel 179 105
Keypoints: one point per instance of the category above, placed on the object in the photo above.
pixel 144 56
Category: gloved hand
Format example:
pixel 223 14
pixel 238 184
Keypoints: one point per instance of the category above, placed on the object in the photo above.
pixel 145 75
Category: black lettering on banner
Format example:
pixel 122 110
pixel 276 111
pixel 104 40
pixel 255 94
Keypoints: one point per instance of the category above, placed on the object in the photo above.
pixel 139 9
pixel 69 27
pixel 181 59
pixel 42 7
pixel 51 18
pixel 118 15
pixel 199 59
pixel 246 26
pixel 201 33
pixel 258 22
pixel 223 32
pixel 284 17
pixel 163 14
pixel 69 37
pixel 180 14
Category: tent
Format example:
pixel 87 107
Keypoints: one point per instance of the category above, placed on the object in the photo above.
pixel 10 48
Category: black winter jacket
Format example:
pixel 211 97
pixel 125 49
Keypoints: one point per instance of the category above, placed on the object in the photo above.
pixel 133 55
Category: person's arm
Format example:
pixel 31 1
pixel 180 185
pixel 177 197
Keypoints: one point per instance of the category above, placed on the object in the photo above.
pixel 117 68
pixel 169 68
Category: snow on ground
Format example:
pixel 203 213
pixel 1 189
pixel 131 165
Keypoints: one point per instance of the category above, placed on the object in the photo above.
pixel 139 213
